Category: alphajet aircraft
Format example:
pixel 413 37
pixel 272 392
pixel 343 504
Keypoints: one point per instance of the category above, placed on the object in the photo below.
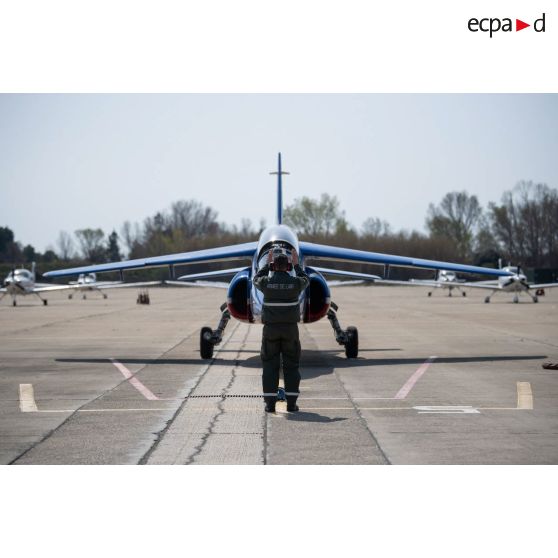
pixel 515 282
pixel 244 302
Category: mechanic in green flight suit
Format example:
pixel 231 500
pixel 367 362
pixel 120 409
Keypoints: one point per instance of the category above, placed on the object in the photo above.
pixel 280 315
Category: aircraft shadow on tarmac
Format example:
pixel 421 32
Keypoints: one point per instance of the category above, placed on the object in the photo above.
pixel 313 363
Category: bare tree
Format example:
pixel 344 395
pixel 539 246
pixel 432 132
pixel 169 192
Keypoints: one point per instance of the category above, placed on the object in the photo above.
pixel 92 245
pixel 455 218
pixel 65 246
pixel 315 217
pixel 526 224
pixel 375 227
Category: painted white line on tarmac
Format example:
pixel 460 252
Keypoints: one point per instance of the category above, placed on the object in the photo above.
pixel 409 384
pixel 27 399
pixel 145 391
pixel 524 396
pixel 447 409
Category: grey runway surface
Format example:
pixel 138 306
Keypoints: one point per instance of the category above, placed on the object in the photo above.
pixel 438 381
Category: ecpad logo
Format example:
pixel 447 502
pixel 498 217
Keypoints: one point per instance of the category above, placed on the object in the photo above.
pixel 493 25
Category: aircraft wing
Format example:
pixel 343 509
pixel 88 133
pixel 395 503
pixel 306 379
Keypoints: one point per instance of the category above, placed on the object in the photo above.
pixel 211 274
pixel 126 285
pixel 51 288
pixel 334 253
pixel 212 284
pixel 480 285
pixel 234 252
pixel 343 273
pixel 544 286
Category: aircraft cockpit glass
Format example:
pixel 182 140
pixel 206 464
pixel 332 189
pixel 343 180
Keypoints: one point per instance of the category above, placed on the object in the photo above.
pixel 264 255
pixel 22 273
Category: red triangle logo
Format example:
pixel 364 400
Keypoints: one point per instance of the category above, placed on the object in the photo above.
pixel 519 25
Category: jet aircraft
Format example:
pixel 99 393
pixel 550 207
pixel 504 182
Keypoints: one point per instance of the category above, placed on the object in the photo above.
pixel 244 302
pixel 515 282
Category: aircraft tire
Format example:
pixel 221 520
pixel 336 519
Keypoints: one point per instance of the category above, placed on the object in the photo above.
pixel 45 302
pixel 70 296
pixel 15 303
pixel 206 346
pixel 535 299
pixel 486 300
pixel 515 300
pixel 464 293
pixel 351 347
pixel 105 295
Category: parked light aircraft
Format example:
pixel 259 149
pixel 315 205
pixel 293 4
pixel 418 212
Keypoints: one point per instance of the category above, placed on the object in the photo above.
pixel 515 282
pixel 244 302
pixel 21 282
pixel 88 282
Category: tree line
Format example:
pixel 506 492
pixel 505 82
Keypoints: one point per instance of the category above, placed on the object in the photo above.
pixel 522 228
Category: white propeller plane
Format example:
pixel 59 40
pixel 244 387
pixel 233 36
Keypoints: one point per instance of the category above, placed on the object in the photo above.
pixel 515 282
pixel 87 282
pixel 244 302
pixel 21 282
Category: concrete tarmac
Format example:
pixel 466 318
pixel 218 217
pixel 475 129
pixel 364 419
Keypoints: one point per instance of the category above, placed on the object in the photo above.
pixel 438 381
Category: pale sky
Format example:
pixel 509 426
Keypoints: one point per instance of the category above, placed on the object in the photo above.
pixel 76 161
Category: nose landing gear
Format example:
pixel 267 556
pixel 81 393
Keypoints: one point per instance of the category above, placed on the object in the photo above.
pixel 347 337
pixel 209 337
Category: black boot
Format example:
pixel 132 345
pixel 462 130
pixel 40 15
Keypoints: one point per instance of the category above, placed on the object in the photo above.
pixel 292 407
pixel 270 404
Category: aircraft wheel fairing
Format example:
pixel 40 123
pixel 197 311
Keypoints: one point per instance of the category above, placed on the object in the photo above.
pixel 351 346
pixel 206 346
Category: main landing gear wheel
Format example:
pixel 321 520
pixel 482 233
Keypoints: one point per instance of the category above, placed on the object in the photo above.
pixel 206 346
pixel 463 293
pixel 351 346
pixel 105 295
pixel 487 300
pixel 84 297
pixel 45 302
pixel 535 298
pixel 15 303
pixel 70 296
pixel 346 337
pixel 515 299
pixel 209 337
pixel 430 294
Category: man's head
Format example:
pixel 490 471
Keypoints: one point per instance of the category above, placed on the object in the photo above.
pixel 281 262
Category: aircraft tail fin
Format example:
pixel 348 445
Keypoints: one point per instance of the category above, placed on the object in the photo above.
pixel 279 174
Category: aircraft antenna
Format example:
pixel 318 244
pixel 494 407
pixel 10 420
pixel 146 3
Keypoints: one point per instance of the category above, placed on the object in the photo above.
pixel 279 174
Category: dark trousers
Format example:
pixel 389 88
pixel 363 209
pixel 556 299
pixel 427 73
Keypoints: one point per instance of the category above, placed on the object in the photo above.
pixel 280 341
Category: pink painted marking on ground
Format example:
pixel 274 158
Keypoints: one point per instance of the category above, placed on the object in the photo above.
pixel 145 391
pixel 409 384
